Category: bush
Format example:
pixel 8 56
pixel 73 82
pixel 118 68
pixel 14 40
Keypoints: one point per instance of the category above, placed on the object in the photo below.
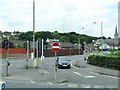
pixel 106 61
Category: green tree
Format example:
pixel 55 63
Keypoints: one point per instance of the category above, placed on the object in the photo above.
pixel 64 39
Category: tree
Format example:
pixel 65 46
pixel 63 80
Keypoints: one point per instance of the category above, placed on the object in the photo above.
pixel 64 39
pixel 73 38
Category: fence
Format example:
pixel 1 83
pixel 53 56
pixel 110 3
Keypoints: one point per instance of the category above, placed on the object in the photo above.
pixel 21 52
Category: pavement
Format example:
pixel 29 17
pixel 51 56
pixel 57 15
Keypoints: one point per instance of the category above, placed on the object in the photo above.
pixel 96 69
pixel 40 75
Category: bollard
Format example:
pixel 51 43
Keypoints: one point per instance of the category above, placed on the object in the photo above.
pixel 7 64
pixel 26 63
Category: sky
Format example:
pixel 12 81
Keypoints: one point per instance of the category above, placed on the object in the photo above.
pixel 60 15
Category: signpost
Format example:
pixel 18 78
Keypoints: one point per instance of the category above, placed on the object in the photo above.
pixel 55 48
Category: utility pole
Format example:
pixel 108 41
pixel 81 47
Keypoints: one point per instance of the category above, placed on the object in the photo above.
pixel 102 34
pixel 101 24
pixel 79 42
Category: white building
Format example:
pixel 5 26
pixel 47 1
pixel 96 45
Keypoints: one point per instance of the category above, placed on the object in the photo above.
pixel 111 43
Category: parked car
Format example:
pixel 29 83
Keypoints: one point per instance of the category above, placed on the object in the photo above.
pixel 63 63
pixel 2 85
pixel 104 52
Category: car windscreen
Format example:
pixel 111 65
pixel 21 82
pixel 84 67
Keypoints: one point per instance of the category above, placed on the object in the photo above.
pixel 64 60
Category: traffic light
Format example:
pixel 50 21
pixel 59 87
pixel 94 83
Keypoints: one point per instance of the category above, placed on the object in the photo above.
pixel 45 44
pixel 82 46
pixel 39 45
pixel 27 44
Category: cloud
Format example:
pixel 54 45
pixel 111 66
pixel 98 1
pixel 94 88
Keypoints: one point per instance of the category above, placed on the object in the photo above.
pixel 61 15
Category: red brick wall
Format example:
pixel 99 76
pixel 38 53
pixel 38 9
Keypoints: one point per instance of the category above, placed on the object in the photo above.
pixel 18 52
pixel 62 52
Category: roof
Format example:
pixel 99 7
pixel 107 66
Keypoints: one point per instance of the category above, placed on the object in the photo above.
pixel 62 45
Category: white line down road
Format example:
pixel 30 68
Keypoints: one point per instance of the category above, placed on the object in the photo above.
pixel 78 73
pixel 85 76
pixel 89 76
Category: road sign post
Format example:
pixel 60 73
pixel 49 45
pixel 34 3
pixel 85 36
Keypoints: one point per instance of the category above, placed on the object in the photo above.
pixel 55 48
pixel 55 69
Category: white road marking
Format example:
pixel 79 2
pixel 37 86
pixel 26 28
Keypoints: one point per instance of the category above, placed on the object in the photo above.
pixel 112 87
pixel 85 76
pixel 98 86
pixel 105 75
pixel 72 85
pixel 89 76
pixel 50 83
pixel 85 86
pixel 78 73
pixel 32 81
pixel 110 76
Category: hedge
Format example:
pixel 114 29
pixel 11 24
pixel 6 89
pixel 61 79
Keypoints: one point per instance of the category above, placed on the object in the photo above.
pixel 106 61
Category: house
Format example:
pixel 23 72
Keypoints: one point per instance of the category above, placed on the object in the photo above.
pixel 62 44
pixel 111 42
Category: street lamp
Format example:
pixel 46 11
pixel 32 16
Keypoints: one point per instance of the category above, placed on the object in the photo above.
pixel 33 29
pixel 1 34
pixel 101 24
pixel 79 42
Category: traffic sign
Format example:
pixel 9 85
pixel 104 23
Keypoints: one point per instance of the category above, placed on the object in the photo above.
pixel 56 47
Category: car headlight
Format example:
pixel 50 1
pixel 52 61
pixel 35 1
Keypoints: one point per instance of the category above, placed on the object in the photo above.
pixel 60 63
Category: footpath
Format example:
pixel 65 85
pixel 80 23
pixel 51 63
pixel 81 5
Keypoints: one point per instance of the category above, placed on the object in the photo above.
pixel 96 69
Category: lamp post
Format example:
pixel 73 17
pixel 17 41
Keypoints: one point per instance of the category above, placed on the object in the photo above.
pixel 33 30
pixel 1 35
pixel 101 24
pixel 79 42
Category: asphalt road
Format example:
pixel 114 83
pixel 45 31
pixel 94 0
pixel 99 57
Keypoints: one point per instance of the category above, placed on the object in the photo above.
pixel 44 78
